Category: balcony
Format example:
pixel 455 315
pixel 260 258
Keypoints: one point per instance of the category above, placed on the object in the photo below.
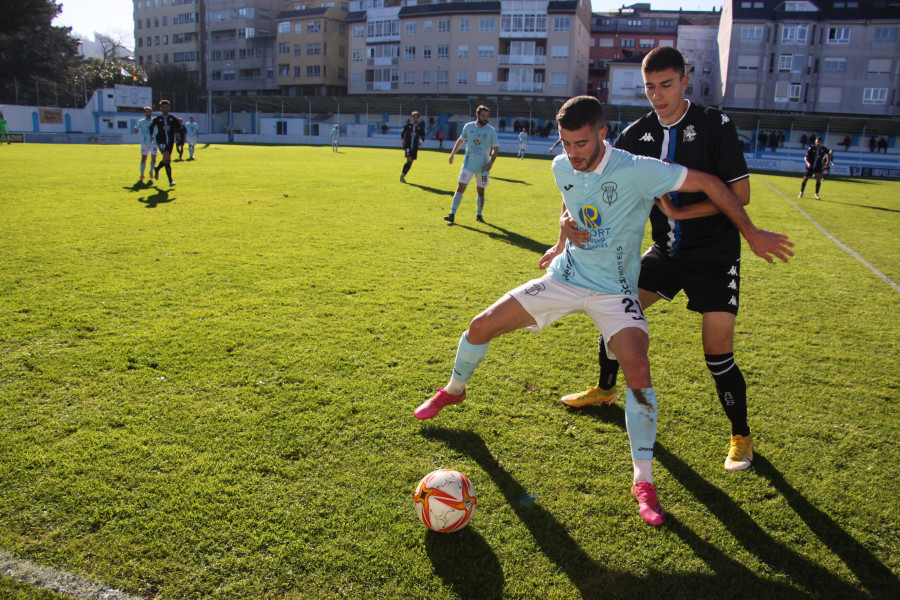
pixel 382 86
pixel 520 86
pixel 383 61
pixel 522 59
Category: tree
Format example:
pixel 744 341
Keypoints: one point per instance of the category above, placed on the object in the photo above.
pixel 32 50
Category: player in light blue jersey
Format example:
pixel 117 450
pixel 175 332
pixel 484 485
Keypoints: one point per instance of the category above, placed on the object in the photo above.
pixel 147 145
pixel 335 138
pixel 193 134
pixel 523 141
pixel 482 148
pixel 609 193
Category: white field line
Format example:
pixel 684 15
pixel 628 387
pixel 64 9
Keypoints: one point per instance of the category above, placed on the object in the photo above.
pixel 57 581
pixel 849 251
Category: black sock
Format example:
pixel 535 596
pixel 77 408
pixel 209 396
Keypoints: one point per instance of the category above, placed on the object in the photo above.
pixel 802 186
pixel 609 368
pixel 406 167
pixel 732 390
pixel 168 170
pixel 818 183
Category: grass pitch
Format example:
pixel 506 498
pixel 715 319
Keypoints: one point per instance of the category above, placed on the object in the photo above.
pixel 207 391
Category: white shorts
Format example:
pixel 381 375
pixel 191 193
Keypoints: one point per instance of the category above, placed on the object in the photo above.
pixel 148 149
pixel 521 147
pixel 548 299
pixel 191 141
pixel 481 179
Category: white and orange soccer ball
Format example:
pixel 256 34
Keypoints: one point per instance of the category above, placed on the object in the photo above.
pixel 445 500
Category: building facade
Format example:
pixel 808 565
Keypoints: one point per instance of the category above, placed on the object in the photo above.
pixel 312 49
pixel 170 32
pixel 835 57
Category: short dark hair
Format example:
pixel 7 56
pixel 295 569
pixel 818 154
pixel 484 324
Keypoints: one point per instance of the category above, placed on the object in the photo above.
pixel 580 111
pixel 481 108
pixel 662 58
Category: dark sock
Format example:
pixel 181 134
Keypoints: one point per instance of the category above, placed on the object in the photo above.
pixel 169 170
pixel 802 186
pixel 818 183
pixel 406 167
pixel 732 390
pixel 609 368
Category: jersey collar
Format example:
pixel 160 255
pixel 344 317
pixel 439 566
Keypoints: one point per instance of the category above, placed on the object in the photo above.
pixel 675 124
pixel 607 150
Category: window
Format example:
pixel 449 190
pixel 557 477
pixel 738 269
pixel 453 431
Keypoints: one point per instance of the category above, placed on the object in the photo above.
pixel 298 72
pixel 484 78
pixel 283 69
pixel 838 35
pixel 794 92
pixel 409 28
pixel 784 63
pixel 626 43
pixel 284 48
pixel 443 51
pixel 875 96
pixel 646 43
pixel 559 80
pixel 314 27
pixel 463 51
pixel 879 66
pixel 426 77
pixel 634 22
pixel 486 51
pixel 523 23
pixel 885 35
pixel 464 24
pixel 426 26
pixel 409 77
pixel 383 28
pixel 748 63
pixel 462 78
pixel 426 51
pixel 356 79
pixel 561 52
pixel 359 31
pixel 487 24
pixel 834 65
pixel 357 56
pixel 751 33
pixel 443 25
pixel 298 49
pixel 562 24
pixel 794 34
pixel 284 27
pixel 298 28
pixel 314 70
pixel 313 49
pixel 409 52
pixel 165 40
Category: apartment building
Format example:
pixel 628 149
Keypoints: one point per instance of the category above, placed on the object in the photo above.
pixel 312 49
pixel 831 56
pixel 533 48
pixel 169 32
pixel 242 46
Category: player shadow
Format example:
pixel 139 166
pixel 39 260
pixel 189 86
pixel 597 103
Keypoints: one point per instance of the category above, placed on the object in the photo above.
pixel 593 580
pixel 509 180
pixel 432 190
pixel 827 201
pixel 137 186
pixel 154 200
pixel 818 581
pixel 511 237
pixel 466 563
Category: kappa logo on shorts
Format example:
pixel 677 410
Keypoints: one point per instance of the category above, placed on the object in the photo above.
pixel 609 192
pixel 535 289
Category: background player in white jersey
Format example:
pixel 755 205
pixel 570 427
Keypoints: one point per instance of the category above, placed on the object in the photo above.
pixel 147 145
pixel 482 148
pixel 610 193
pixel 698 250
pixel 335 138
pixel 193 135
pixel 523 141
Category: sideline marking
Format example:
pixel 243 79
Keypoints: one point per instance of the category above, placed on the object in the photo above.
pixel 849 251
pixel 57 581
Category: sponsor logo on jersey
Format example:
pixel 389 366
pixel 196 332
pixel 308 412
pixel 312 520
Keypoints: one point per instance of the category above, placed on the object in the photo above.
pixel 568 187
pixel 535 289
pixel 476 141
pixel 590 217
pixel 725 118
pixel 609 192
pixel 690 134
pixel 648 137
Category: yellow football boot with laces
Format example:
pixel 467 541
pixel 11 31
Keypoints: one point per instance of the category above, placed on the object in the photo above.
pixel 740 455
pixel 594 395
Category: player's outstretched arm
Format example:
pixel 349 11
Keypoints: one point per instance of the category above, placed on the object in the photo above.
pixel 456 146
pixel 763 243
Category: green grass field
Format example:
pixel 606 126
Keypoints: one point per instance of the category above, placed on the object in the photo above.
pixel 207 392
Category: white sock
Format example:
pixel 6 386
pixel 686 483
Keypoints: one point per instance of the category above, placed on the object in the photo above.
pixel 455 388
pixel 643 471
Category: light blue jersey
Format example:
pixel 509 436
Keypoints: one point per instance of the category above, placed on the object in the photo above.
pixel 479 141
pixel 143 127
pixel 193 129
pixel 613 203
pixel 523 138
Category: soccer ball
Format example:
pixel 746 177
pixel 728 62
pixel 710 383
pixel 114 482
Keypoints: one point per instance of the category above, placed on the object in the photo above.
pixel 445 500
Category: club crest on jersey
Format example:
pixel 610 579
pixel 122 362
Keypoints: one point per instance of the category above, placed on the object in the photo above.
pixel 534 290
pixel 609 192
pixel 590 217
pixel 648 137
pixel 690 134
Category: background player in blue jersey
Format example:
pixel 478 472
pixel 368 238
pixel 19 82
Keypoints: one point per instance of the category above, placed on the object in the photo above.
pixel 411 136
pixel 700 255
pixel 609 193
pixel 147 145
pixel 523 142
pixel 335 138
pixel 165 126
pixel 482 148
pixel 192 135
pixel 818 161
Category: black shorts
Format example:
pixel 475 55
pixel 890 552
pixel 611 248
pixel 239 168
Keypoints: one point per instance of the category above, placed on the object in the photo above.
pixel 811 172
pixel 712 282
pixel 412 151
pixel 165 147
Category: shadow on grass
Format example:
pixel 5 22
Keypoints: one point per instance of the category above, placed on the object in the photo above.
pixel 466 563
pixel 593 580
pixel 154 200
pixel 509 180
pixel 510 237
pixel 817 580
pixel 431 190
pixel 827 201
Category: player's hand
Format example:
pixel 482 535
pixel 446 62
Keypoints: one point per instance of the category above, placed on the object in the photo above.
pixel 451 159
pixel 571 232
pixel 664 203
pixel 548 257
pixel 763 243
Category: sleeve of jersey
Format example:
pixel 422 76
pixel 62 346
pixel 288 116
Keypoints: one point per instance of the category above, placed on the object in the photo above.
pixel 657 177
pixel 730 163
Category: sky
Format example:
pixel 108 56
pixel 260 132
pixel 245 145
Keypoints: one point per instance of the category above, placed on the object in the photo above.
pixel 115 19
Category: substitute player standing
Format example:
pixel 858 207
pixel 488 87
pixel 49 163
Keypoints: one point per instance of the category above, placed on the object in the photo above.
pixel 335 138
pixel 817 159
pixel 412 134
pixel 523 141
pixel 696 248
pixel 482 148
pixel 147 145
pixel 193 134
pixel 165 126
